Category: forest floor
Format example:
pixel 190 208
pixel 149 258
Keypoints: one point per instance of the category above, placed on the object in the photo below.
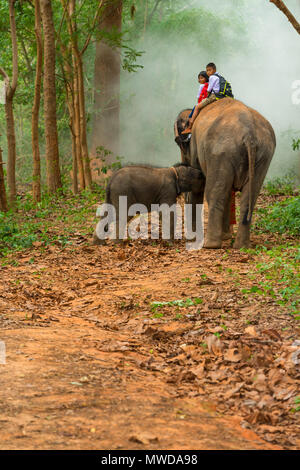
pixel 149 346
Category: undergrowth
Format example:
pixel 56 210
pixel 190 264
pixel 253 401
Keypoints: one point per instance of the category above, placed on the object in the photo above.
pixel 278 270
pixel 282 217
pixel 54 220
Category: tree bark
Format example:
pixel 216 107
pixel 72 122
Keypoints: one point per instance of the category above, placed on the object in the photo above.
pixel 287 13
pixel 52 152
pixel 69 85
pixel 106 126
pixel 77 127
pixel 3 200
pixel 84 145
pixel 73 78
pixel 79 98
pixel 36 179
pixel 11 150
pixel 10 88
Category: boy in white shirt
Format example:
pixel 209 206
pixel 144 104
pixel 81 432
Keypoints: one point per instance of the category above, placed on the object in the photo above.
pixel 216 82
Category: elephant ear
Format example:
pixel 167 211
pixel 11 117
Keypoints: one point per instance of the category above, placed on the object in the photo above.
pixel 182 125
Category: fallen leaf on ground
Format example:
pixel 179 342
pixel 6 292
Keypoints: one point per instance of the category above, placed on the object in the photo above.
pixel 143 438
pixel 232 355
pixel 251 331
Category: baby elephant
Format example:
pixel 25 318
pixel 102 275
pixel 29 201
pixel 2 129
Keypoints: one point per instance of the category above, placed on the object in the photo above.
pixel 148 185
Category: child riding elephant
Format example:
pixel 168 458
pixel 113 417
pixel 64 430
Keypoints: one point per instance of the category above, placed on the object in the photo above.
pixel 218 88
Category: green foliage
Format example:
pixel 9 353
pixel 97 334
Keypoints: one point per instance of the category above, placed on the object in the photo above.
pixel 297 408
pixel 130 57
pixel 282 217
pixel 296 144
pixel 103 154
pixel 13 237
pixel 52 221
pixel 284 186
pixel 279 268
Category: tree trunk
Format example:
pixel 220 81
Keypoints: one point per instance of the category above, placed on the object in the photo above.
pixel 106 126
pixel 83 137
pixel 79 116
pixel 11 150
pixel 77 127
pixel 36 180
pixel 52 153
pixel 3 201
pixel 69 86
pixel 10 89
pixel 74 157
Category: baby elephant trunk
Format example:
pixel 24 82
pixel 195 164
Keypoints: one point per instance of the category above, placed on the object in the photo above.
pixel 189 179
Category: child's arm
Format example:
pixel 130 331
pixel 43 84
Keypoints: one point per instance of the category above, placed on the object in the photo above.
pixel 213 81
pixel 199 92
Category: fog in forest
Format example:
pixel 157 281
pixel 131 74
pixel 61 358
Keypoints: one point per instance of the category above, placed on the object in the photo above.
pixel 259 55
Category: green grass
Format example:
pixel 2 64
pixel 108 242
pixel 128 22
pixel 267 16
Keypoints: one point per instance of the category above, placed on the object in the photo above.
pixel 54 220
pixel 283 217
pixel 284 186
pixel 279 276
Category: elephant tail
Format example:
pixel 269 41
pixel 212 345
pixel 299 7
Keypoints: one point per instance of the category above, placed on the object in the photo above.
pixel 251 150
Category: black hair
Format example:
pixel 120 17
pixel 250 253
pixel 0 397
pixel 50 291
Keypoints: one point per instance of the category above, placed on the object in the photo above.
pixel 204 74
pixel 212 65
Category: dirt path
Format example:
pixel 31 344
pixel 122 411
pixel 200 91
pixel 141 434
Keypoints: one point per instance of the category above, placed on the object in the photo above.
pixel 92 364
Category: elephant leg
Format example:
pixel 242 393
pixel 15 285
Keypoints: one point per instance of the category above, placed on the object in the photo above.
pixel 160 218
pixel 96 240
pixel 120 226
pixel 243 234
pixel 218 194
pixel 117 228
pixel 101 241
pixel 173 221
pixel 226 234
pixel 194 199
pixel 187 198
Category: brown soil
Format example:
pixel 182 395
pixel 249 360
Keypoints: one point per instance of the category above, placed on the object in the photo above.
pixel 90 365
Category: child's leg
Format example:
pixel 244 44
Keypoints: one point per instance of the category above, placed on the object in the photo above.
pixel 199 106
pixel 195 114
pixel 191 114
pixel 192 120
pixel 207 101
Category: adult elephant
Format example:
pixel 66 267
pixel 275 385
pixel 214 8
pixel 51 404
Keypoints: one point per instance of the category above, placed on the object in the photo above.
pixel 233 145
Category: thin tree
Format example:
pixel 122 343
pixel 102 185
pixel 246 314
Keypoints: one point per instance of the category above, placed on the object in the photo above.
pixel 78 83
pixel 3 201
pixel 36 181
pixel 71 85
pixel 52 152
pixel 282 7
pixel 67 74
pixel 10 88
